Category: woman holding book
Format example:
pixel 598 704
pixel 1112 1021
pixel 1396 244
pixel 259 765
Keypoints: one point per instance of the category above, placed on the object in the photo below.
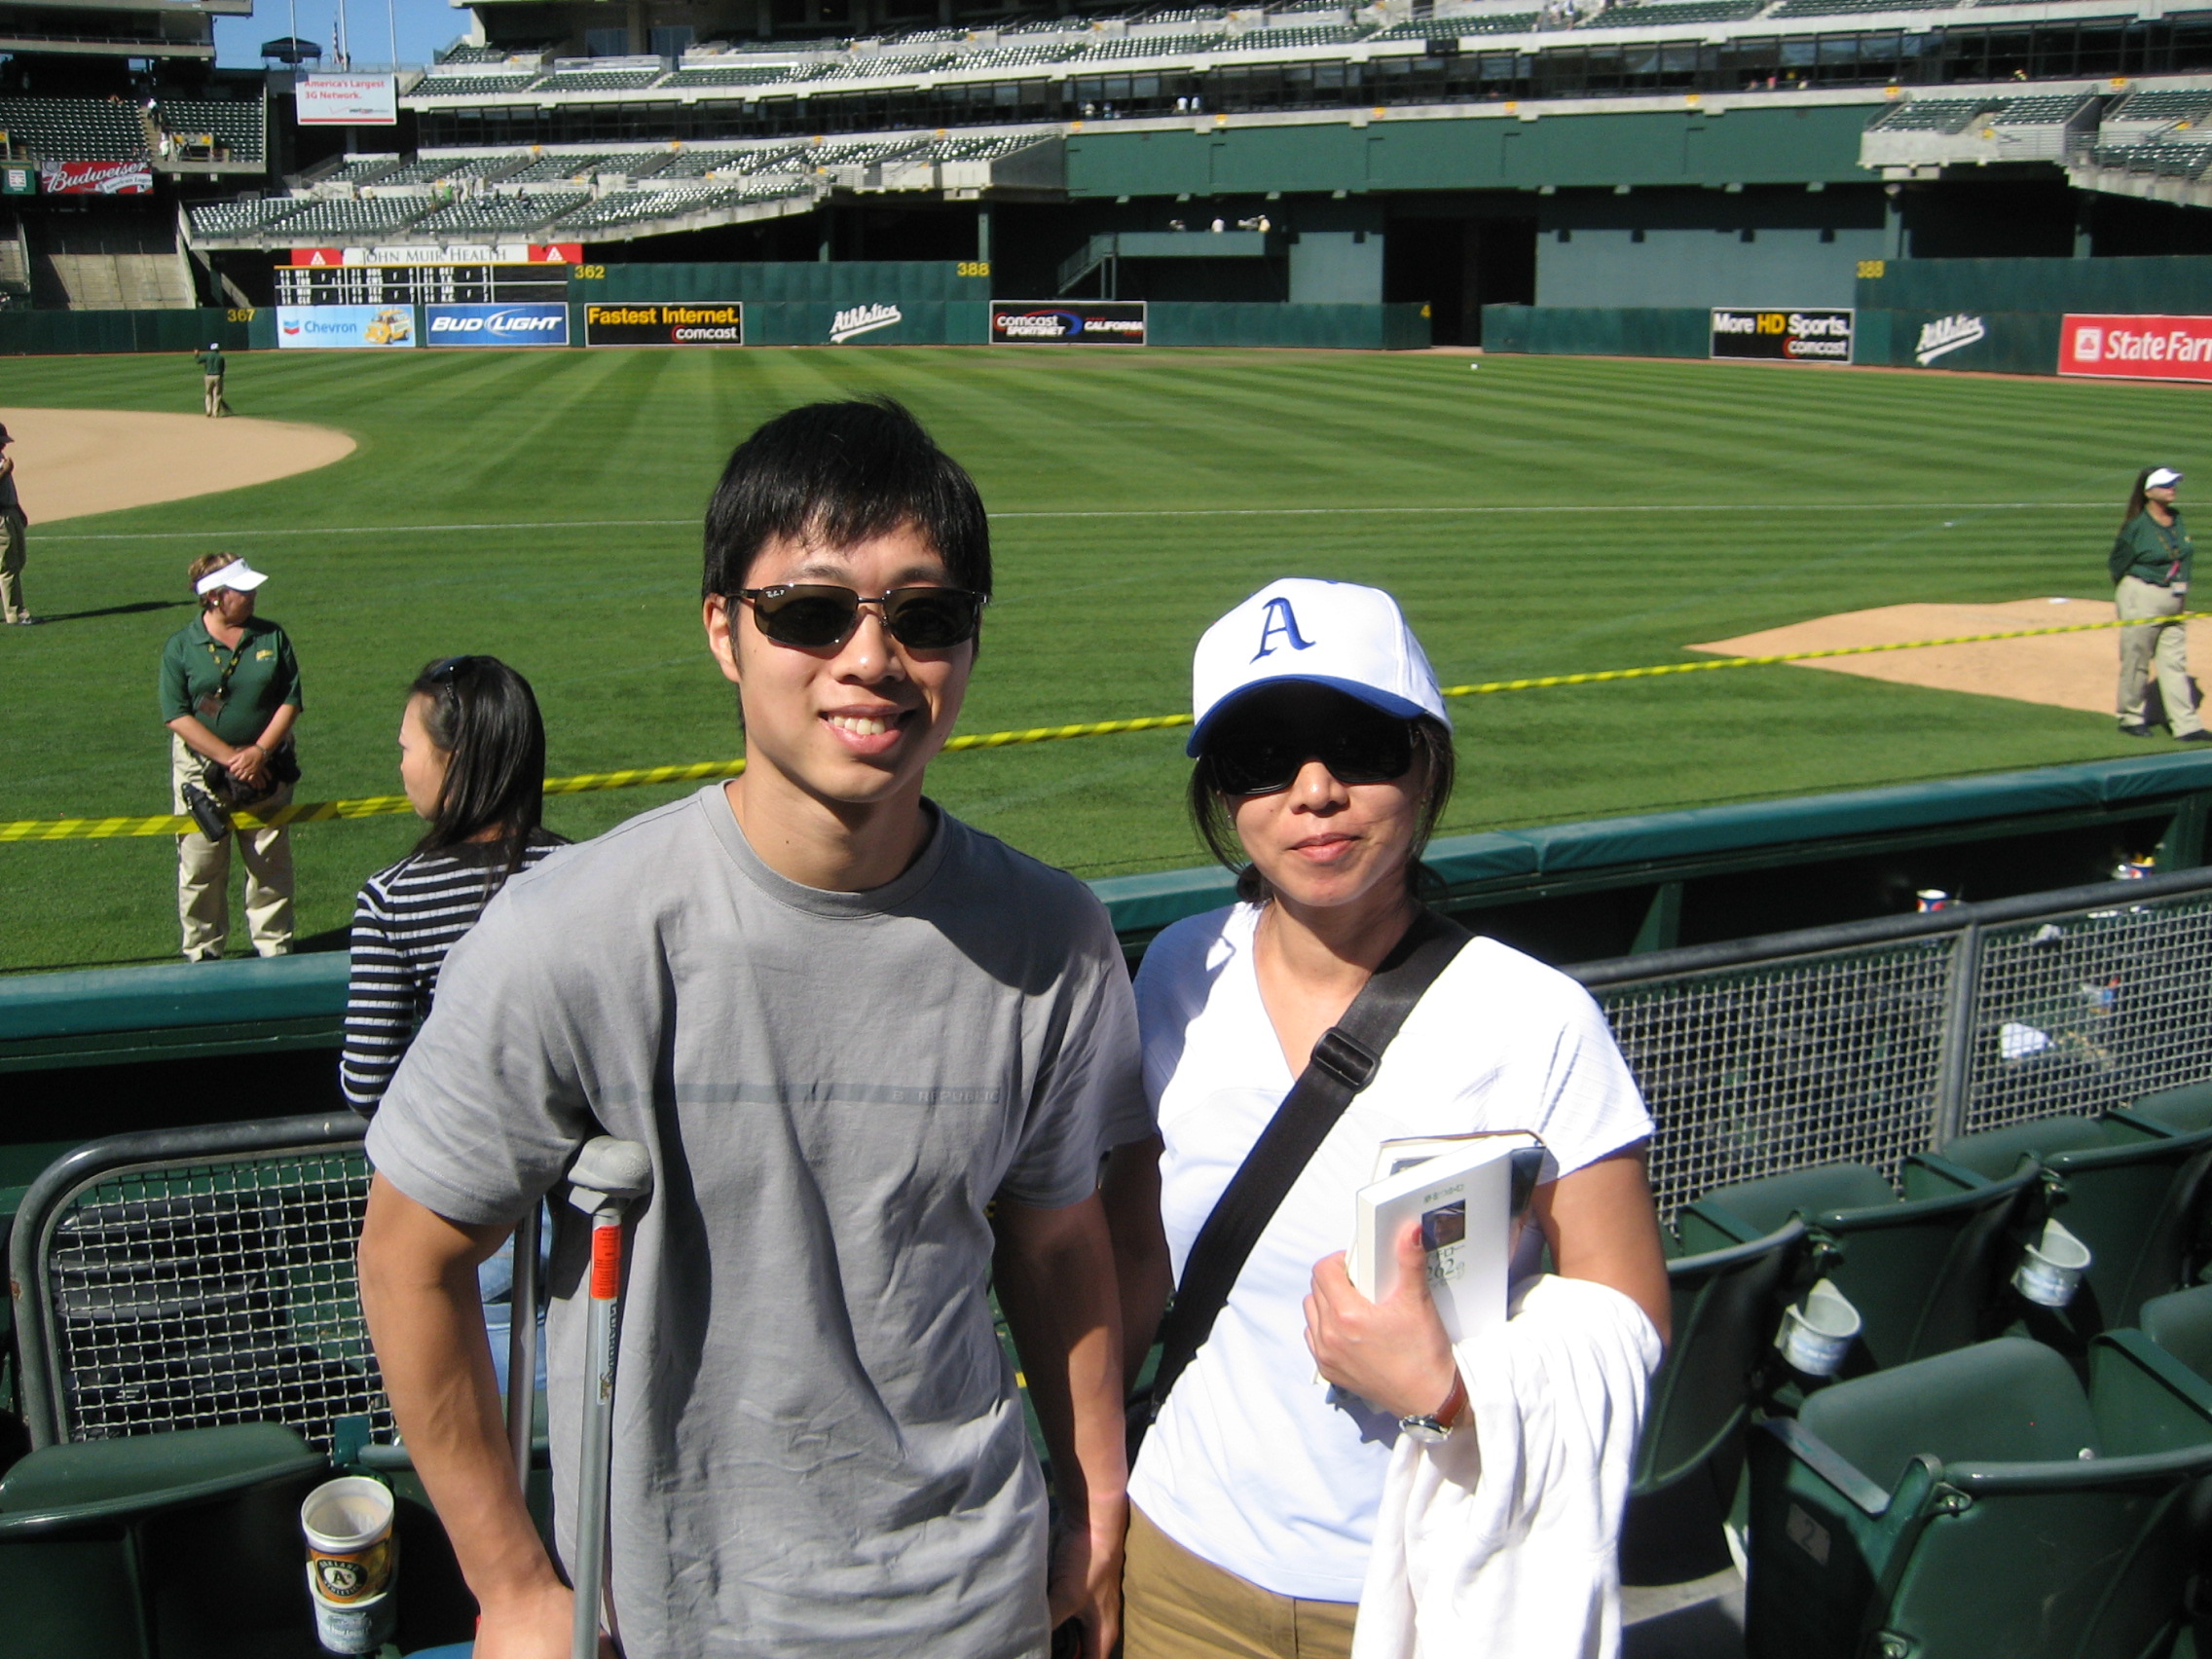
pixel 1323 1456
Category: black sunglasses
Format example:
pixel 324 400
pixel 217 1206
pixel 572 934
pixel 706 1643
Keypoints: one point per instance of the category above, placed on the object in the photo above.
pixel 451 668
pixel 817 614
pixel 1263 752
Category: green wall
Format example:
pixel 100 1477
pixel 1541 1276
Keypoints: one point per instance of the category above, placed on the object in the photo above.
pixel 46 333
pixel 2012 343
pixel 1815 144
pixel 883 281
pixel 2178 285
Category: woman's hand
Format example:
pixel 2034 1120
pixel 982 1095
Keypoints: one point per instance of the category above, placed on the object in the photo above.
pixel 247 764
pixel 1392 1353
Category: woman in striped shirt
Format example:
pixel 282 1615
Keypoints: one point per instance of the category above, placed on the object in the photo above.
pixel 473 759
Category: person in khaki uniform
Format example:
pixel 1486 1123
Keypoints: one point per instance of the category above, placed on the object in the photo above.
pixel 2150 564
pixel 13 555
pixel 230 693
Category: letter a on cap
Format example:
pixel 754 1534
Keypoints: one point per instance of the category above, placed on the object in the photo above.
pixel 1279 618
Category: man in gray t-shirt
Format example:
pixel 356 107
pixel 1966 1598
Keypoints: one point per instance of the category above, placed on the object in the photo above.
pixel 843 1023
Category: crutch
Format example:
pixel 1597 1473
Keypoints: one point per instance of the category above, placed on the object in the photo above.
pixel 610 1176
pixel 522 1345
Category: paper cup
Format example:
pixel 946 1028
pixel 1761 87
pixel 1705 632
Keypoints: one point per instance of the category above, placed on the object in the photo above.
pixel 357 1628
pixel 351 1553
pixel 1816 1338
pixel 2050 1269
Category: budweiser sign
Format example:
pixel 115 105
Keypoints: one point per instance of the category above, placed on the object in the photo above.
pixel 96 178
pixel 2137 348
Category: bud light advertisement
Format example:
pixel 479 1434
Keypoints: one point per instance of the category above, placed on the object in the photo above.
pixel 496 325
pixel 1067 322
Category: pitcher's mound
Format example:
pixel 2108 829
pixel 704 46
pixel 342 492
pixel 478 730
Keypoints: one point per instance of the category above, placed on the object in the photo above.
pixel 2067 671
pixel 73 462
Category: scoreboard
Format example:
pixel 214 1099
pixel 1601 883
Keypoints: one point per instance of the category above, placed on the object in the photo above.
pixel 421 285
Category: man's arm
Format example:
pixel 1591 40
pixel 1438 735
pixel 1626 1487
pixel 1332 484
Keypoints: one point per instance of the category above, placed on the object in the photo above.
pixel 426 1323
pixel 1142 1265
pixel 1055 1284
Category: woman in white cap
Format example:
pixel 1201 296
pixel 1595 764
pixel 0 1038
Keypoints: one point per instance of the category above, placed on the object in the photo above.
pixel 1317 1457
pixel 2150 564
pixel 230 692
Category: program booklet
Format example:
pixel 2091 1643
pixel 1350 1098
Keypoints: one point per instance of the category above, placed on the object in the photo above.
pixel 1470 1194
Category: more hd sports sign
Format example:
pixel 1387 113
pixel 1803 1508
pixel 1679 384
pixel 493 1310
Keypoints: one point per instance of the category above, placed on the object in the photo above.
pixel 1067 322
pixel 345 327
pixel 654 323
pixel 1783 336
pixel 2136 348
pixel 496 325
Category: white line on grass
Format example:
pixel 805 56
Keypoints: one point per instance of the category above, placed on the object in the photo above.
pixel 1105 513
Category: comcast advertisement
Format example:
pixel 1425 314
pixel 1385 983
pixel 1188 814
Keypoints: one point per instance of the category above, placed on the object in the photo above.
pixel 1067 322
pixel 643 324
pixel 1783 336
pixel 2137 348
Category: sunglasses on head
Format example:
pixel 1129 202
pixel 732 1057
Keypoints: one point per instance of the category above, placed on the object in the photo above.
pixel 1262 752
pixel 451 668
pixel 816 614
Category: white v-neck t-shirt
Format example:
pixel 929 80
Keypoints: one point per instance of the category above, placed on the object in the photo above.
pixel 1255 1465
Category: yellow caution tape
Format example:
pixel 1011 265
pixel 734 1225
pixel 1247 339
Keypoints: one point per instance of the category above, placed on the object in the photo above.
pixel 583 783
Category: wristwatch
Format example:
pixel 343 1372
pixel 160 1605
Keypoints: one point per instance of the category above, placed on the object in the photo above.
pixel 1435 1428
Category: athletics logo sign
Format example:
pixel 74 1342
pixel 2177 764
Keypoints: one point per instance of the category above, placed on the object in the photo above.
pixel 851 324
pixel 1948 334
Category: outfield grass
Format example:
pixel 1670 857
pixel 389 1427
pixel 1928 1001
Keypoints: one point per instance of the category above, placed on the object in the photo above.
pixel 1535 516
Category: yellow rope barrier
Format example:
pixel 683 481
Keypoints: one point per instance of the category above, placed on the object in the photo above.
pixel 583 783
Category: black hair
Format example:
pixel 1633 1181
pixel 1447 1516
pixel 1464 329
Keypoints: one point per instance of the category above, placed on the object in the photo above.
pixel 1433 759
pixel 483 715
pixel 837 473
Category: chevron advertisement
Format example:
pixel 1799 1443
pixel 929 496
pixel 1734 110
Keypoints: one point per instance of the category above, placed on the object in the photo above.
pixel 1067 322
pixel 345 327
pixel 496 325
pixel 2136 348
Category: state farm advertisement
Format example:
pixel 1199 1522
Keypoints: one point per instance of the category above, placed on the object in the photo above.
pixel 96 178
pixel 2136 348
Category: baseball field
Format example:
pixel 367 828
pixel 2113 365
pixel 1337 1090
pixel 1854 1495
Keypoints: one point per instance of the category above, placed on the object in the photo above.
pixel 1534 516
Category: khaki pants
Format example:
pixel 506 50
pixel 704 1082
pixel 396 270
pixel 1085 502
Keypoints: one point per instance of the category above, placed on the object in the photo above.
pixel 14 555
pixel 2161 645
pixel 1176 1605
pixel 214 392
pixel 204 874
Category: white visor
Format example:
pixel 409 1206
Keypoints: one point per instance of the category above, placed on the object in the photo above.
pixel 2161 478
pixel 236 574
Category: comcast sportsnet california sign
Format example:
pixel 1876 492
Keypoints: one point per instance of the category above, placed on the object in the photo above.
pixel 2137 348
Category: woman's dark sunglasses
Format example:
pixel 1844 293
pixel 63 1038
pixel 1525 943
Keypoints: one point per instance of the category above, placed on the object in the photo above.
pixel 817 614
pixel 1262 753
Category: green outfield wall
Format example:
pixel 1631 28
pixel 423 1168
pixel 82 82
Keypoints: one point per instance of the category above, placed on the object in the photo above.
pixel 58 333
pixel 899 283
pixel 2006 343
pixel 1497 149
pixel 2174 285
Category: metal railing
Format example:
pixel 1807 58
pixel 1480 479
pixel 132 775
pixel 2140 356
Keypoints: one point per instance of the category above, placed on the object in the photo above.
pixel 1873 1040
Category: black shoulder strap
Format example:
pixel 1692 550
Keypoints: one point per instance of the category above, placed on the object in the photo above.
pixel 1344 1062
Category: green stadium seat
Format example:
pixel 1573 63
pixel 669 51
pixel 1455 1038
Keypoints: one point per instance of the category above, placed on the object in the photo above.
pixel 2178 1109
pixel 2181 1323
pixel 185 1545
pixel 2128 1187
pixel 1728 1305
pixel 1978 1504
pixel 1924 1273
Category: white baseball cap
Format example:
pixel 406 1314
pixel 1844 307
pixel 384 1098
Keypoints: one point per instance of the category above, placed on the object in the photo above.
pixel 1335 634
pixel 2161 478
pixel 238 574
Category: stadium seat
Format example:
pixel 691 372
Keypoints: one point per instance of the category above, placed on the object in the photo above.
pixel 186 1545
pixel 2181 1323
pixel 1923 1273
pixel 1978 1504
pixel 2129 1188
pixel 2178 1109
pixel 1728 1305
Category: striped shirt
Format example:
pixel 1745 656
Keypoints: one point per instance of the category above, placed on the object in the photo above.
pixel 404 922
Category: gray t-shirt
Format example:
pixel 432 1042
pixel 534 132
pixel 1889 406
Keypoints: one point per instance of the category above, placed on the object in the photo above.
pixel 818 1446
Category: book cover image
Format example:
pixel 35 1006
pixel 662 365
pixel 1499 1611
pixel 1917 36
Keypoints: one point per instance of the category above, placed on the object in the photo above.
pixel 1469 1196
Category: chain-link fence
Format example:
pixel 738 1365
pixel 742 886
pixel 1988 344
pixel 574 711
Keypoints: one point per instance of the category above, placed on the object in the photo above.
pixel 1871 1041
pixel 195 1290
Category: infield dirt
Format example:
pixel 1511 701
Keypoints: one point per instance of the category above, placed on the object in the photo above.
pixel 74 462
pixel 2065 671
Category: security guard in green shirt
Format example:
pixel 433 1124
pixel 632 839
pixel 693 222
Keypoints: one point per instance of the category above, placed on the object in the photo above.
pixel 2150 564
pixel 230 695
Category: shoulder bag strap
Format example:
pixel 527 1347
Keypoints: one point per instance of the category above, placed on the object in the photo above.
pixel 1343 1063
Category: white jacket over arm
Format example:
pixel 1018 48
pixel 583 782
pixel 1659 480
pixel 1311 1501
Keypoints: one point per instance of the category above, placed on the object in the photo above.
pixel 1502 1539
